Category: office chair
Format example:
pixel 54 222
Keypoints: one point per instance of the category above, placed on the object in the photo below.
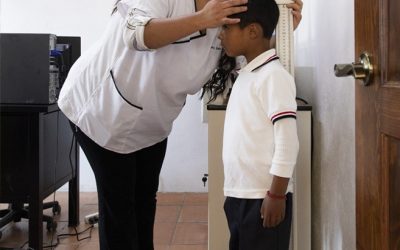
pixel 16 211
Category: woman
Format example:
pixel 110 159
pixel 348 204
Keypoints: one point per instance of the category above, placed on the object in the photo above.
pixel 123 94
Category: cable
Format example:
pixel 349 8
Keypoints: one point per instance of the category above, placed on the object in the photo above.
pixel 51 244
pixel 75 234
pixel 65 235
pixel 75 229
pixel 22 246
pixel 70 156
pixel 301 99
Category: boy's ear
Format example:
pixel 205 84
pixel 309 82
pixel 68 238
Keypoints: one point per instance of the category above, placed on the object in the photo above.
pixel 255 30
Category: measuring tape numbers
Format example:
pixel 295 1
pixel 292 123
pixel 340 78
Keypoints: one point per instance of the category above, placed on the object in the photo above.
pixel 284 36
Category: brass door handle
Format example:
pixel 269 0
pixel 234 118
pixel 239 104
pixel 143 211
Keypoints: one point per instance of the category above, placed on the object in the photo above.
pixel 363 70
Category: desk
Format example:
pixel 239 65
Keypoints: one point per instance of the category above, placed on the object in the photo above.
pixel 38 155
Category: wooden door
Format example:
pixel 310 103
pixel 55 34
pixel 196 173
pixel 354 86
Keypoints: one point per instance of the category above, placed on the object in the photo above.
pixel 377 30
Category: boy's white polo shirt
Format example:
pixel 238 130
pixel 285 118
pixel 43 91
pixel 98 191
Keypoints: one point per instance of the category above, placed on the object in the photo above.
pixel 261 94
pixel 126 99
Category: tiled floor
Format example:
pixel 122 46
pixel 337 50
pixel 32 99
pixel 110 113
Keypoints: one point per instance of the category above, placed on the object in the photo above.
pixel 181 224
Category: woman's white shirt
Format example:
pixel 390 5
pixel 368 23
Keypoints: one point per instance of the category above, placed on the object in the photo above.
pixel 126 99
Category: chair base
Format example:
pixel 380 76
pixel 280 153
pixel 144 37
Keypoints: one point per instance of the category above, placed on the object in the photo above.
pixel 17 211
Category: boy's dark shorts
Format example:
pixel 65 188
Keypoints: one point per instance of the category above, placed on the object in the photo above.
pixel 247 231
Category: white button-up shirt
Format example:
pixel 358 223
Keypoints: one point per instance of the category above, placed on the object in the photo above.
pixel 126 97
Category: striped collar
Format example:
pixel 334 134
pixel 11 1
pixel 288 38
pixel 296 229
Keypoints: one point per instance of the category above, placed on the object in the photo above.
pixel 260 61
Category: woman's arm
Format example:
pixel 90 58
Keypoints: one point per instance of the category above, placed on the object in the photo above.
pixel 159 32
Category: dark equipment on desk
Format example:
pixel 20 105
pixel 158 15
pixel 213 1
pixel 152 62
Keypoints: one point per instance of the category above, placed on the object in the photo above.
pixel 38 152
pixel 33 67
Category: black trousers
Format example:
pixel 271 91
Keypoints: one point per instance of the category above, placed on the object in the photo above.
pixel 247 231
pixel 126 185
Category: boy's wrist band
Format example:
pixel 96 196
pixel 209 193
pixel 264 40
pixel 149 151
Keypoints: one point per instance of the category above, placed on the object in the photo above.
pixel 275 196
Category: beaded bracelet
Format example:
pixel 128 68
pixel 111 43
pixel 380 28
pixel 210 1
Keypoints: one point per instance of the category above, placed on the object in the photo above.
pixel 275 196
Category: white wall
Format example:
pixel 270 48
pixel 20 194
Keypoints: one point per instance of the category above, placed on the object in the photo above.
pixel 326 37
pixel 186 159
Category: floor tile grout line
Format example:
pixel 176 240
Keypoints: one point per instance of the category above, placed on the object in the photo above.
pixel 176 223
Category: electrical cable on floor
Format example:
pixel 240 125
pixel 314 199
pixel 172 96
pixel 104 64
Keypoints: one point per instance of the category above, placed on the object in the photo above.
pixel 66 234
pixel 77 234
pixel 73 234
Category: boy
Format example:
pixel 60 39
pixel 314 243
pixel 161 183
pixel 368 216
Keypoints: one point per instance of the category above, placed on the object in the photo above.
pixel 260 136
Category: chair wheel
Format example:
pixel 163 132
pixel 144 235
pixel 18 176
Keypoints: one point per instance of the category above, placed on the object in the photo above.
pixel 51 226
pixel 56 209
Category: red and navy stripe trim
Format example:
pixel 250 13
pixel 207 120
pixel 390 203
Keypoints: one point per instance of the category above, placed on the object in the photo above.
pixel 272 58
pixel 283 115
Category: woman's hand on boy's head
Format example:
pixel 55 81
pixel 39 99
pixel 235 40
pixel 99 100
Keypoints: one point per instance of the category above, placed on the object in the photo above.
pixel 215 13
pixel 296 7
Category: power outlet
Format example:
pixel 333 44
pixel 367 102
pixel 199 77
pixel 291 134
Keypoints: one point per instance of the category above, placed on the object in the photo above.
pixel 92 219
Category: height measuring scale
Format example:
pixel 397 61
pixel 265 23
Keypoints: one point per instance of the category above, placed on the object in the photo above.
pixel 284 49
pixel 284 36
pixel 301 218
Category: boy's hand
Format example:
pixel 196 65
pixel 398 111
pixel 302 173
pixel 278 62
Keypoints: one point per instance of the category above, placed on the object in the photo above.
pixel 272 211
pixel 296 7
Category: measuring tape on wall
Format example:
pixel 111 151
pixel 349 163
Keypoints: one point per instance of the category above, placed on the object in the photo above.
pixel 284 36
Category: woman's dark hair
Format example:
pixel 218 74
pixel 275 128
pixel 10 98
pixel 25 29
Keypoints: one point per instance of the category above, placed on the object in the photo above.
pixel 263 12
pixel 217 84
pixel 115 7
